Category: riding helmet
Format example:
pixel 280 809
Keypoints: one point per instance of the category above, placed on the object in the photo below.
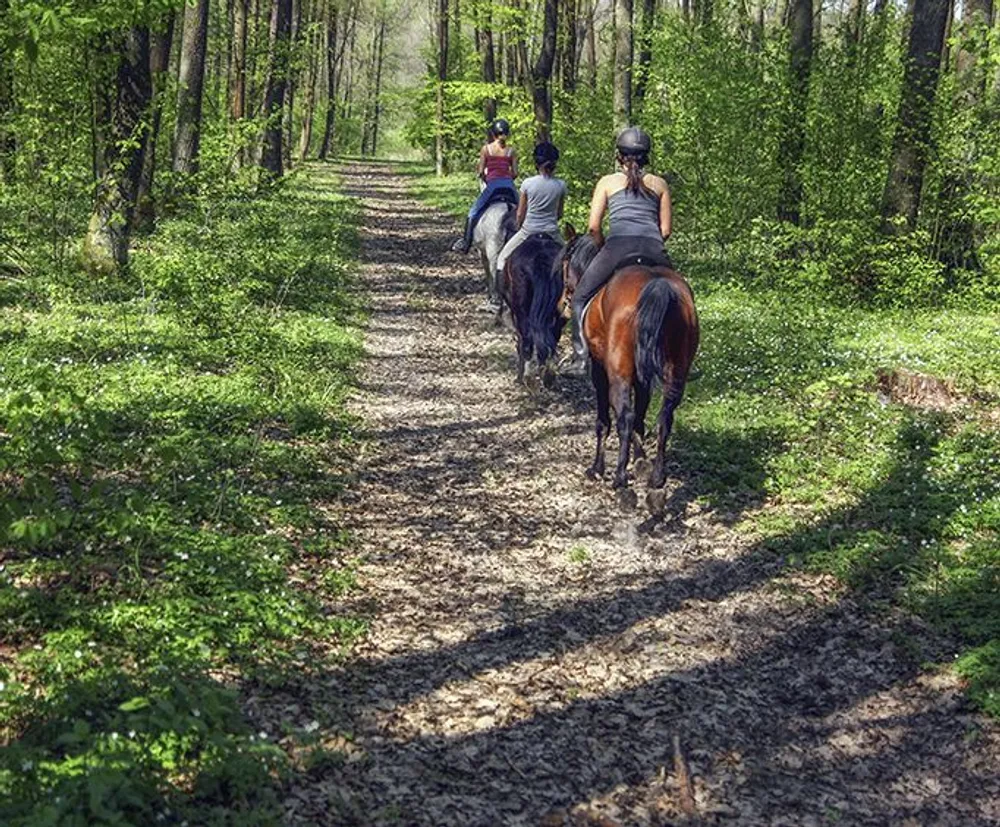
pixel 500 127
pixel 633 141
pixel 546 153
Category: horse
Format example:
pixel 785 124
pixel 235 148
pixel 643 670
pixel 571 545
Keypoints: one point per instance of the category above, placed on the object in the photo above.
pixel 641 328
pixel 493 230
pixel 532 289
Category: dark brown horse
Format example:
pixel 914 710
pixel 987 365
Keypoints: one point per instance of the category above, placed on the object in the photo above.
pixel 641 328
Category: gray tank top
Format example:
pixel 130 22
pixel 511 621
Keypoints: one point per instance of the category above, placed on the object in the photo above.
pixel 634 214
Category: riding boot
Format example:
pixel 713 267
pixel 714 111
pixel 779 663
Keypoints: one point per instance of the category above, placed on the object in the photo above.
pixel 576 365
pixel 465 242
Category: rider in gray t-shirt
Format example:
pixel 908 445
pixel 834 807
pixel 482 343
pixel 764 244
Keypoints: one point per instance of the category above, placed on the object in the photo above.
pixel 541 204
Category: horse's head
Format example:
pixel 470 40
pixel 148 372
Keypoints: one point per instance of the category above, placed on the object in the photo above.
pixel 577 253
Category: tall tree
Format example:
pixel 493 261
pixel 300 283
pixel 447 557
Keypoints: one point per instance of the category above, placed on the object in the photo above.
pixel 570 55
pixel 912 140
pixel 271 156
pixel 8 142
pixel 187 135
pixel 793 137
pixel 313 47
pixel 121 104
pixel 541 72
pixel 161 43
pixel 645 50
pixel 624 48
pixel 489 59
pixel 238 72
pixel 442 77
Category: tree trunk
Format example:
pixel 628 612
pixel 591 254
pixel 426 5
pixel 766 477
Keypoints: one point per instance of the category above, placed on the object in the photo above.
pixel 442 76
pixel 120 127
pixel 272 155
pixel 793 137
pixel 373 142
pixel 159 64
pixel 977 17
pixel 591 45
pixel 570 66
pixel 8 141
pixel 332 19
pixel 238 75
pixel 315 45
pixel 292 83
pixel 489 62
pixel 623 63
pixel 645 51
pixel 187 135
pixel 913 140
pixel 541 73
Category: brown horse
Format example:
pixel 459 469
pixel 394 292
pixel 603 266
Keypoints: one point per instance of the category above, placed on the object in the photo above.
pixel 642 327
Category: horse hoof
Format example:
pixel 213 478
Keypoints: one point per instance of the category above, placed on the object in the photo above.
pixel 594 473
pixel 656 501
pixel 627 498
pixel 643 467
pixel 548 377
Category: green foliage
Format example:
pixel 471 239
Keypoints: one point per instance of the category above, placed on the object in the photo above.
pixel 162 441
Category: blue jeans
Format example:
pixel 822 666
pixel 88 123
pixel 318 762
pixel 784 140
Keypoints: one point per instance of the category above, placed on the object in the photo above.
pixel 483 201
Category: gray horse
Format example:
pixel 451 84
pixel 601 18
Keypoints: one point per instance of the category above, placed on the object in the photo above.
pixel 493 230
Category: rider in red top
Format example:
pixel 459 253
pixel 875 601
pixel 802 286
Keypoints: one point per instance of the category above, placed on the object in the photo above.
pixel 497 168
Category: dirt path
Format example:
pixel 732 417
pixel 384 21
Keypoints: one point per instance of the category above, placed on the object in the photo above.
pixel 534 657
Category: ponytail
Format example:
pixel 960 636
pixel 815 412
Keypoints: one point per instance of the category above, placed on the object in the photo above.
pixel 632 166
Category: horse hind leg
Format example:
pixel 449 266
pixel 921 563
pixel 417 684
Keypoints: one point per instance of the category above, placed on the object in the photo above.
pixel 672 393
pixel 642 395
pixel 600 379
pixel 621 401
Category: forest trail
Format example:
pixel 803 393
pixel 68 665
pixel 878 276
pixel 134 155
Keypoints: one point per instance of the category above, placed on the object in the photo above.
pixel 534 657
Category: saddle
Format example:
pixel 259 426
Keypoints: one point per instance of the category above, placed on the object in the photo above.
pixel 504 195
pixel 659 260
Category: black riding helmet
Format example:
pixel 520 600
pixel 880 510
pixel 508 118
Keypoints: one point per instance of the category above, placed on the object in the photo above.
pixel 633 141
pixel 500 127
pixel 546 153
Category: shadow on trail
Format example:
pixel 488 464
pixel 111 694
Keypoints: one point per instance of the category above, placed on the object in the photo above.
pixel 795 700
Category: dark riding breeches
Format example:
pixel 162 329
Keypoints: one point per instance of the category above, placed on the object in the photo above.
pixel 602 268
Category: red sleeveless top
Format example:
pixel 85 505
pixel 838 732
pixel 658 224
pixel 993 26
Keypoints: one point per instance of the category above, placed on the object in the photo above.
pixel 499 166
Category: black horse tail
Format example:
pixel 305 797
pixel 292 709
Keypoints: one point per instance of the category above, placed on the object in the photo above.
pixel 655 301
pixel 544 321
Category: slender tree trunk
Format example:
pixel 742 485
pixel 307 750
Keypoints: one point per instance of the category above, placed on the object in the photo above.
pixel 315 45
pixel 187 135
pixel 591 45
pixel 645 51
pixel 793 137
pixel 489 62
pixel 292 82
pixel 442 77
pixel 159 64
pixel 272 155
pixel 541 73
pixel 570 66
pixel 8 140
pixel 373 143
pixel 238 74
pixel 977 17
pixel 624 46
pixel 913 140
pixel 121 126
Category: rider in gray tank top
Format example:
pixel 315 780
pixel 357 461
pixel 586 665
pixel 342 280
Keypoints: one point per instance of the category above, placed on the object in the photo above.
pixel 634 214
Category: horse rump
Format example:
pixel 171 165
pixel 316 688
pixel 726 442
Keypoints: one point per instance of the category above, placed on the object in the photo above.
pixel 655 302
pixel 534 293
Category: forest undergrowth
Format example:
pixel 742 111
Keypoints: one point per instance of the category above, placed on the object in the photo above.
pixel 164 439
pixel 873 433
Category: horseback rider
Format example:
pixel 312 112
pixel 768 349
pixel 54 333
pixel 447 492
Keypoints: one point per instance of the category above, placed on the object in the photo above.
pixel 639 221
pixel 541 204
pixel 497 168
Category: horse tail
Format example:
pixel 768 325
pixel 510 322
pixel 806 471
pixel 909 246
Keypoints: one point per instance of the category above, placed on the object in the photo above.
pixel 655 302
pixel 543 314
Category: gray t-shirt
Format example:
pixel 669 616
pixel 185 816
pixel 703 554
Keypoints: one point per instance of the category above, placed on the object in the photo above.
pixel 543 203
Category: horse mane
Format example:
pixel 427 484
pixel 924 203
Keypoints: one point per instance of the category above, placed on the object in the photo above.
pixel 579 252
pixel 509 223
